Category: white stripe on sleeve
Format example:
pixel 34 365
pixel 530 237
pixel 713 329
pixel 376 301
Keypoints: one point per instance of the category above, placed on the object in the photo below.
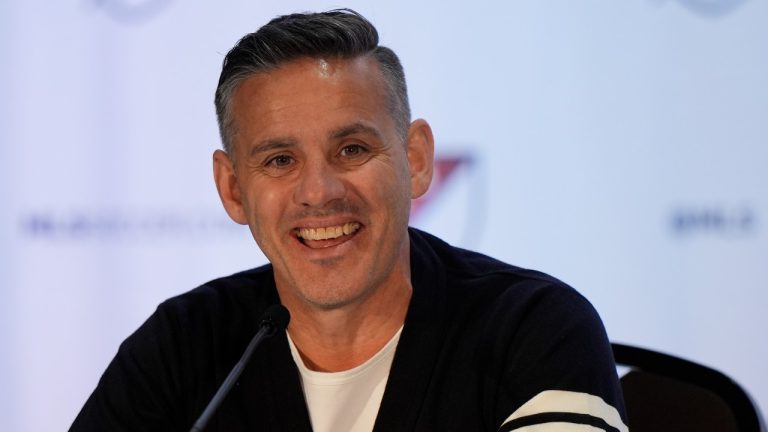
pixel 551 410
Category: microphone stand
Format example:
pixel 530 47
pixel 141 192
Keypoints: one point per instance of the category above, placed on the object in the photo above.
pixel 276 316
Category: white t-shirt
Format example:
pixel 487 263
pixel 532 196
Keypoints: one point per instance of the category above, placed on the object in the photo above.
pixel 348 400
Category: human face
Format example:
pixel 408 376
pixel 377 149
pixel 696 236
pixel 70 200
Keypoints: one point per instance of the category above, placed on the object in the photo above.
pixel 323 179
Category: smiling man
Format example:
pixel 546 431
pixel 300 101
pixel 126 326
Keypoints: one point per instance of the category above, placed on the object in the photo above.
pixel 318 169
pixel 391 329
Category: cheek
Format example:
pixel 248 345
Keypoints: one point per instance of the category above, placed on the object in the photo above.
pixel 263 221
pixel 393 191
pixel 264 206
pixel 392 176
pixel 403 184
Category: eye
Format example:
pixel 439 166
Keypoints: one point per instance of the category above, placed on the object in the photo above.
pixel 280 161
pixel 352 150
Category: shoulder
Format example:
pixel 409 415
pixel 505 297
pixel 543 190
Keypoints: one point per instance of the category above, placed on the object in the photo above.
pixel 164 372
pixel 512 315
pixel 231 302
pixel 540 344
pixel 254 285
pixel 474 277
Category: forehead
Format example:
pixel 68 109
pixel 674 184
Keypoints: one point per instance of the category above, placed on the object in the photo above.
pixel 311 78
pixel 308 96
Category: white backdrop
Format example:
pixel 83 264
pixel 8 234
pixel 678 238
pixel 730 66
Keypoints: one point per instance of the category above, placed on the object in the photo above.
pixel 620 146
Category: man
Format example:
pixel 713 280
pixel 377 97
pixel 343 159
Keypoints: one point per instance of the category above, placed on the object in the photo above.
pixel 391 329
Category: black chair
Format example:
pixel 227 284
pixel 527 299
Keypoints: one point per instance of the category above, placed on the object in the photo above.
pixel 665 393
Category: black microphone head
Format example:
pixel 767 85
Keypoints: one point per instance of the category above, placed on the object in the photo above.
pixel 276 317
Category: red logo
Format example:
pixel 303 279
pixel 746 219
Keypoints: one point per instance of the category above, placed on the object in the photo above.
pixel 445 168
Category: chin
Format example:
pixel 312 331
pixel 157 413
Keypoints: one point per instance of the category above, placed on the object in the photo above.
pixel 332 297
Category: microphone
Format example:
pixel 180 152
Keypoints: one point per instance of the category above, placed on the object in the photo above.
pixel 275 318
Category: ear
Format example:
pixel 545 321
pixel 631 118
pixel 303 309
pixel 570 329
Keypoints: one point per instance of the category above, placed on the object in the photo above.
pixel 226 183
pixel 421 156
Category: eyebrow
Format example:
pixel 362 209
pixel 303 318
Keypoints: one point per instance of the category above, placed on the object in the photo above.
pixel 356 128
pixel 281 143
pixel 272 144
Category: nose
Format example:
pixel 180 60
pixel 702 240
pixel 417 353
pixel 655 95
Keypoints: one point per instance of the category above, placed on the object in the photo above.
pixel 318 185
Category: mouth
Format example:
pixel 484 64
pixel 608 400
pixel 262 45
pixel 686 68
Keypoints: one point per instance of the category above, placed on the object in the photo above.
pixel 326 236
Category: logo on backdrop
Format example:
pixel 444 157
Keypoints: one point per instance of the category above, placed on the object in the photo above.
pixel 445 168
pixel 454 206
pixel 132 11
pixel 129 225
pixel 713 220
pixel 712 8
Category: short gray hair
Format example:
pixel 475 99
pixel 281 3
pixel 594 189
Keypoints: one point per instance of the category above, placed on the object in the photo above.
pixel 340 33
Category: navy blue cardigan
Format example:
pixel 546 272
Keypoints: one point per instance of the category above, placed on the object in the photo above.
pixel 481 338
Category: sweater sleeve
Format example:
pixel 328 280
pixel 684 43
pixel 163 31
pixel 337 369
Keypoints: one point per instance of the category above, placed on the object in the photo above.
pixel 559 369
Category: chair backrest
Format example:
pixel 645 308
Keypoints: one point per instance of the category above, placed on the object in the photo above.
pixel 665 393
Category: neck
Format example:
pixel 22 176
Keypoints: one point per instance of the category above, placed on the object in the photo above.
pixel 332 340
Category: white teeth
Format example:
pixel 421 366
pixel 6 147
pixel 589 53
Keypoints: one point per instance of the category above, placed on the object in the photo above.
pixel 327 233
